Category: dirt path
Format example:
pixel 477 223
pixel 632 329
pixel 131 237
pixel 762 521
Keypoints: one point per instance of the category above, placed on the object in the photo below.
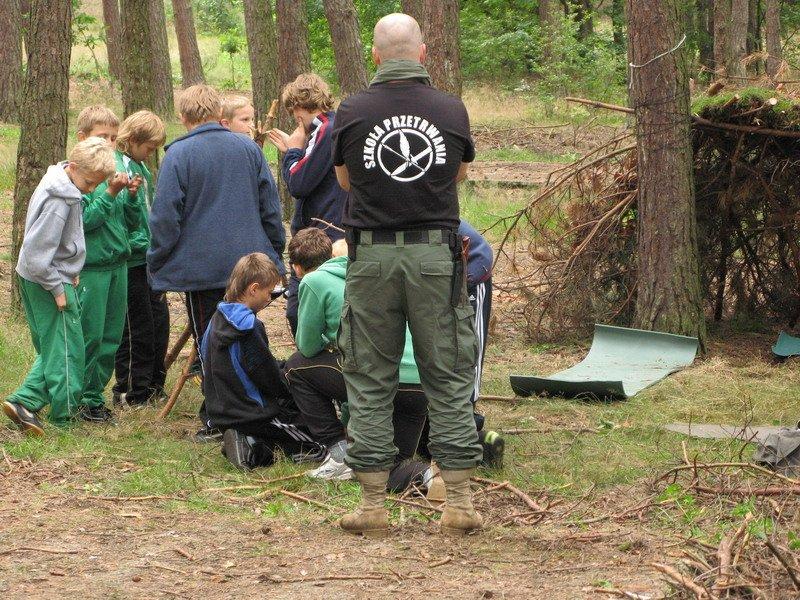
pixel 515 173
pixel 58 546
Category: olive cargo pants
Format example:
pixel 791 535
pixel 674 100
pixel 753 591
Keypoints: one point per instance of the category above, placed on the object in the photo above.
pixel 387 285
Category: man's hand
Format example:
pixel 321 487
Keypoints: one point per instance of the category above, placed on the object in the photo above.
pixel 61 301
pixel 117 182
pixel 298 138
pixel 133 185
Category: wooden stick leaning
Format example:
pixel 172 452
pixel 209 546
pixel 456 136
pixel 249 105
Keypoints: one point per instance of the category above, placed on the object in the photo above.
pixel 176 391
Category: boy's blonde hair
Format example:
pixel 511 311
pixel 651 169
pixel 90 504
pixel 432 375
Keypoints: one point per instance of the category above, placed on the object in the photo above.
pixel 141 127
pixel 310 92
pixel 96 114
pixel 250 269
pixel 230 104
pixel 93 155
pixel 200 103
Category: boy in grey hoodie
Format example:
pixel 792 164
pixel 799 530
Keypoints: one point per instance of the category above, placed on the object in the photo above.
pixel 49 265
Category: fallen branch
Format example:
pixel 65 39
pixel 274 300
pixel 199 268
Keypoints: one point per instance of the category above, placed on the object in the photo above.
pixel 133 498
pixel 530 502
pixel 417 505
pixel 512 399
pixel 35 549
pixel 743 465
pixel 253 486
pixel 675 577
pixel 724 556
pixel 183 553
pixel 597 104
pixel 782 559
pixel 279 579
pixel 439 563
pixel 308 500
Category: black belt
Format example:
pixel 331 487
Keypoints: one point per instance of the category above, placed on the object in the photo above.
pixel 414 236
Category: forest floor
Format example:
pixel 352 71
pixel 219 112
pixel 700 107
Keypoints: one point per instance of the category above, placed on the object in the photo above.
pixel 138 510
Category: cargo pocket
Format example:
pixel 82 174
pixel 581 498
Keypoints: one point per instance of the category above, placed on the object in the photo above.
pixel 466 341
pixel 344 339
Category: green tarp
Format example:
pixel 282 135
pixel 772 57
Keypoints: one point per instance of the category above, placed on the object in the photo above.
pixel 620 363
pixel 786 346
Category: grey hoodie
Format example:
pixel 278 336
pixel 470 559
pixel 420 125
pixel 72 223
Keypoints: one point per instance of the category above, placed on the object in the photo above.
pixel 53 249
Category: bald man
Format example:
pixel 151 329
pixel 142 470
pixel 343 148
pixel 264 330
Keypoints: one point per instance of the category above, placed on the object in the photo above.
pixel 400 147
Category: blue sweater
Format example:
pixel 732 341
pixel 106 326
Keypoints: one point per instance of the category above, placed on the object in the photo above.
pixel 311 180
pixel 479 263
pixel 215 201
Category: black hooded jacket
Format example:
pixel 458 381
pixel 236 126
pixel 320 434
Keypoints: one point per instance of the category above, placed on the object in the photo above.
pixel 242 380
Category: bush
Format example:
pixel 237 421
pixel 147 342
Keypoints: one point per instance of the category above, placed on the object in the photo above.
pixel 219 16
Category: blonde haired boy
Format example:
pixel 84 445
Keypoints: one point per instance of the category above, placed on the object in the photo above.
pixel 238 114
pixel 103 290
pixel 139 361
pixel 215 202
pixel 49 265
pixel 97 121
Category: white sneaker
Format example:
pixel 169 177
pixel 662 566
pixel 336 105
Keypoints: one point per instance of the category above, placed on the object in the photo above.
pixel 331 469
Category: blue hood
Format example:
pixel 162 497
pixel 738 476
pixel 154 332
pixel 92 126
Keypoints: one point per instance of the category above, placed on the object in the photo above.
pixel 238 315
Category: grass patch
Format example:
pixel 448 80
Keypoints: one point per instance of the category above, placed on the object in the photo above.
pixel 526 155
pixel 482 206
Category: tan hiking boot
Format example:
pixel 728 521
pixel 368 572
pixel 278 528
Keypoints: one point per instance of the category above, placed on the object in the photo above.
pixel 459 515
pixel 371 519
pixel 436 491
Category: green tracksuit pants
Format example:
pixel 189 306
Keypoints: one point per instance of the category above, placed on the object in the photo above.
pixel 56 377
pixel 387 285
pixel 104 302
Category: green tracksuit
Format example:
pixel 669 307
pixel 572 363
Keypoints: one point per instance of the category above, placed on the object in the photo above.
pixel 103 288
pixel 136 210
pixel 56 379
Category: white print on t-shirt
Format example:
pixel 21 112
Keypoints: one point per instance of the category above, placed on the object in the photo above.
pixel 404 147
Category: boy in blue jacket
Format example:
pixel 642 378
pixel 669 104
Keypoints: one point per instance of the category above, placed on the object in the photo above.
pixel 307 166
pixel 246 396
pixel 215 202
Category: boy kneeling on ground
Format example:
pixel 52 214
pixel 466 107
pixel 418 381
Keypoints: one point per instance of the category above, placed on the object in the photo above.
pixel 245 394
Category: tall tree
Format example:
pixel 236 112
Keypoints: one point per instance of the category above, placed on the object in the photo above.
pixel 440 31
pixel 704 25
pixel 191 64
pixel 740 15
pixel 773 27
pixel 43 111
pixel 755 17
pixel 137 83
pixel 413 8
pixel 722 47
pixel 618 21
pixel 584 15
pixel 10 60
pixel 668 291
pixel 346 36
pixel 547 22
pixel 161 71
pixel 262 45
pixel 294 58
pixel 112 33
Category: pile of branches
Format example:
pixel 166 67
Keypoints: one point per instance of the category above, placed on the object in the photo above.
pixel 572 250
pixel 755 510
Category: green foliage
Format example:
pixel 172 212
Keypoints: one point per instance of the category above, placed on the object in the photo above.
pixel 87 31
pixel 231 43
pixel 219 16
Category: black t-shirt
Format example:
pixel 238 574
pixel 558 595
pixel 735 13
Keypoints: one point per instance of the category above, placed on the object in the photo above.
pixel 403 143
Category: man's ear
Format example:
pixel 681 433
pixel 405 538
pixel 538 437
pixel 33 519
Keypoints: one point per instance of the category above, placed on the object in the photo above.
pixel 225 123
pixel 375 57
pixel 81 136
pixel 298 271
pixel 423 53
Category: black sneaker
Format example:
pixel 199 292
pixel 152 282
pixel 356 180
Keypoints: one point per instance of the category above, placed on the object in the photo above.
pixel 157 395
pixel 24 418
pixel 493 449
pixel 96 414
pixel 237 449
pixel 119 399
pixel 208 434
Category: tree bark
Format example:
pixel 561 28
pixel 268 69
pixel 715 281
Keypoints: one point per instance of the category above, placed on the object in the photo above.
pixel 773 27
pixel 294 58
pixel 112 32
pixel 440 32
pixel 618 21
pixel 137 83
pixel 740 14
pixel 547 23
pixel 668 290
pixel 347 48
pixel 414 8
pixel 705 28
pixel 262 45
pixel 10 60
pixel 161 71
pixel 754 27
pixel 43 111
pixel 722 48
pixel 191 64
pixel 584 15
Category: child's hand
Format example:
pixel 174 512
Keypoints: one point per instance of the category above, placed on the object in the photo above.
pixel 61 301
pixel 278 139
pixel 76 281
pixel 133 185
pixel 117 182
pixel 298 137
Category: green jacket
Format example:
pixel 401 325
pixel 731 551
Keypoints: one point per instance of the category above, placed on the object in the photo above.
pixel 321 296
pixel 137 210
pixel 104 226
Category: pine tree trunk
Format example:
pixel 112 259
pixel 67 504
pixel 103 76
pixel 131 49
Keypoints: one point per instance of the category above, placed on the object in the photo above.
pixel 347 48
pixel 722 47
pixel 754 28
pixel 137 83
pixel 668 291
pixel 773 27
pixel 10 61
pixel 161 71
pixel 584 15
pixel 705 29
pixel 262 46
pixel 440 32
pixel 112 30
pixel 740 11
pixel 414 8
pixel 294 58
pixel 547 22
pixel 618 21
pixel 191 64
pixel 43 111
